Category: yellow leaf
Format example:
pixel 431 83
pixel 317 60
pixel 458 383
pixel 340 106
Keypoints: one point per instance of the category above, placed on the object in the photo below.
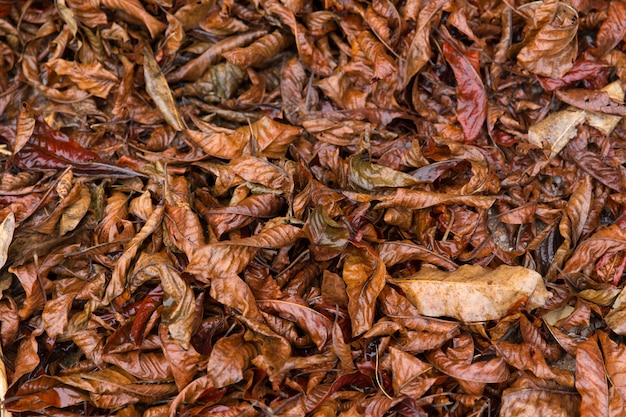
pixel 7 227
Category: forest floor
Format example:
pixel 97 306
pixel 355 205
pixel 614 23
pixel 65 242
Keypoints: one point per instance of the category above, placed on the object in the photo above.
pixel 312 208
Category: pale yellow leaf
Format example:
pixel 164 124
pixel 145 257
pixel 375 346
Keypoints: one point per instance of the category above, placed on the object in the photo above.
pixel 7 227
pixel 473 293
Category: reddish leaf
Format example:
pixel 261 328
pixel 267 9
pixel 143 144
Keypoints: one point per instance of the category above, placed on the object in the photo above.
pixel 471 95
pixel 49 149
pixel 612 30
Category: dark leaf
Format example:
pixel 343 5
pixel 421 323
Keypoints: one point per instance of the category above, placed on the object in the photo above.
pixel 471 95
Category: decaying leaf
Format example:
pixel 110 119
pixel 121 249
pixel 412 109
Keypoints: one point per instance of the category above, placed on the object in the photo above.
pixel 291 207
pixel 473 293
pixel 556 130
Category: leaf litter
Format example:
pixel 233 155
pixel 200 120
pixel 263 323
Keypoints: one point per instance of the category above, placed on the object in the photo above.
pixel 297 208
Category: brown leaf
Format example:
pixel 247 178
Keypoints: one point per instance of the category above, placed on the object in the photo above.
pixel 612 29
pixel 309 320
pixel 247 211
pixel 328 238
pixel 117 285
pixel 394 252
pixel 592 100
pixel 550 46
pixel 159 91
pixel 488 372
pixel 614 362
pixel 420 51
pixel 528 397
pixel 405 368
pixel 7 227
pixel 471 95
pixel 150 366
pixel 415 199
pixel 136 10
pixel 591 381
pixel 259 51
pixel 27 358
pixel 609 239
pixel 365 275
pixel 229 358
pixel 527 357
pixel 93 77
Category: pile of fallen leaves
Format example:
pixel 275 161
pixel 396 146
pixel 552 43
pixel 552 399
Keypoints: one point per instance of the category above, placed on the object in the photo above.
pixel 312 208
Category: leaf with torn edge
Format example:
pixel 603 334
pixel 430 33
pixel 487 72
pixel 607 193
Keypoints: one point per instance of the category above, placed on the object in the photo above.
pixel 592 100
pixel 473 293
pixel 556 130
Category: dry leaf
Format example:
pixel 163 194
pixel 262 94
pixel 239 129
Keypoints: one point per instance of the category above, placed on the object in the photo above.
pixel 7 228
pixel 473 293
pixel 159 91
pixel 556 130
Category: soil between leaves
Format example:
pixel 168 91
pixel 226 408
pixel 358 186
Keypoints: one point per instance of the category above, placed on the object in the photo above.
pixel 207 207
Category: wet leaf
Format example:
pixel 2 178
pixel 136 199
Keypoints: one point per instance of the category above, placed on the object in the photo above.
pixel 364 274
pixel 591 379
pixel 229 358
pixel 550 47
pixel 471 95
